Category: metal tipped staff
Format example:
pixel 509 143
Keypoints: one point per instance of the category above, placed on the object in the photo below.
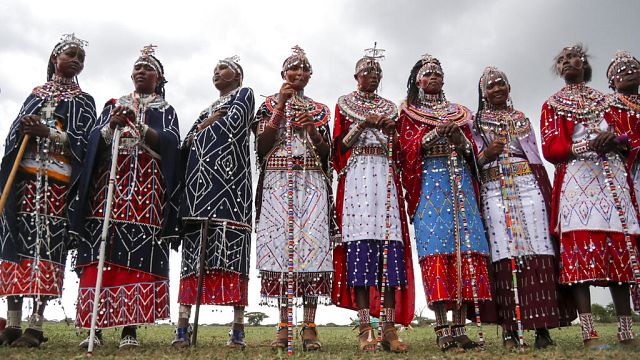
pixel 103 237
pixel 201 262
pixel 290 233
pixel 385 251
pixel 12 174
pixel 458 203
pixel 506 184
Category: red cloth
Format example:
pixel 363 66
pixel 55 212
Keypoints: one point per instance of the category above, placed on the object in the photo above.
pixel 440 278
pixel 219 287
pixel 127 297
pixel 341 294
pixel 21 279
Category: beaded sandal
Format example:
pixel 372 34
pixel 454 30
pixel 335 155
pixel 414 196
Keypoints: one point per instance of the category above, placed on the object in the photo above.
pixel 30 338
pixel 367 342
pixel 310 340
pixel 444 340
pixel 281 337
pixel 9 335
pixel 97 340
pixel 236 339
pixel 129 342
pixel 183 338
pixel 391 342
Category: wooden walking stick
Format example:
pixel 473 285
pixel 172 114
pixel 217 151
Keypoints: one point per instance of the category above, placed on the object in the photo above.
pixel 201 262
pixel 103 237
pixel 12 174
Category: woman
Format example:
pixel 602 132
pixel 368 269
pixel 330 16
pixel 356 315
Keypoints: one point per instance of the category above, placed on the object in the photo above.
pixel 596 225
pixel 515 195
pixel 34 235
pixel 304 233
pixel 624 78
pixel 218 196
pixel 370 211
pixel 438 158
pixel 135 281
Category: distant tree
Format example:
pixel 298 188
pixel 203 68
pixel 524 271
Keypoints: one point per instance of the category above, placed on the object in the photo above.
pixel 421 320
pixel 255 318
pixel 601 313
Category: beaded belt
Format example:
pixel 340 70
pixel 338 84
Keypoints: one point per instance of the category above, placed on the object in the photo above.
pixel 369 150
pixel 299 163
pixel 516 169
pixel 438 150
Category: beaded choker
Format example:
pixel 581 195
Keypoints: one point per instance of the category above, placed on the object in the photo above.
pixel 220 103
pixel 505 122
pixel 358 105
pixel 57 90
pixel 628 102
pixel 319 112
pixel 438 113
pixel 578 102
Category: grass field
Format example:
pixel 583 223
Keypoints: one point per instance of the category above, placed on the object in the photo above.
pixel 339 343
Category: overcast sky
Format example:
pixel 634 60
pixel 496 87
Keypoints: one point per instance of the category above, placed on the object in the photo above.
pixel 519 37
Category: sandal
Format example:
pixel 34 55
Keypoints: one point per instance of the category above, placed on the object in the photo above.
pixel 543 339
pixel 366 340
pixel 281 341
pixel 444 340
pixel 128 342
pixel 511 341
pixel 9 335
pixel 97 340
pixel 310 340
pixel 464 342
pixel 30 338
pixel 236 339
pixel 391 342
pixel 183 338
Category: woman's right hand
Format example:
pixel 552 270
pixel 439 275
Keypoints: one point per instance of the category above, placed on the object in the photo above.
pixel 286 93
pixel 120 116
pixel 372 121
pixel 494 149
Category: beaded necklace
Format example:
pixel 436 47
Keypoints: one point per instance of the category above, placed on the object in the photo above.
pixel 435 111
pixel 628 102
pixel 218 104
pixel 505 122
pixel 58 89
pixel 358 105
pixel 579 102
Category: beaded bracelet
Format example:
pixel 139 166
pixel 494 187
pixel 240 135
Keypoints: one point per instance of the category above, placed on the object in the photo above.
pixel 107 134
pixel 353 135
pixel 430 137
pixel 580 148
pixel 143 128
pixel 276 119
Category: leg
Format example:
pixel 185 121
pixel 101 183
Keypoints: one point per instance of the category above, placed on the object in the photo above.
pixel 129 338
pixel 621 301
pixel 236 336
pixel 34 335
pixel 183 330
pixel 459 329
pixel 310 340
pixel 444 339
pixel 590 336
pixel 367 341
pixel 14 315
pixel 280 341
pixel 391 341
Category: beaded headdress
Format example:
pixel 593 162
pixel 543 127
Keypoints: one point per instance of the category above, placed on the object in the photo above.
pixel 67 41
pixel 297 58
pixel 429 64
pixel 370 60
pixel 233 63
pixel 622 61
pixel 485 79
pixel 147 58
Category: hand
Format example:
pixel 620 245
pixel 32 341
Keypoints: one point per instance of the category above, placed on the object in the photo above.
pixel 120 116
pixel 31 125
pixel 211 119
pixel 305 121
pixel 603 143
pixel 387 125
pixel 494 149
pixel 453 133
pixel 286 93
pixel 372 121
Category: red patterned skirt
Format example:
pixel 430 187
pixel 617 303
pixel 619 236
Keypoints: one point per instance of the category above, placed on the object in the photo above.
pixel 315 284
pixel 28 279
pixel 219 287
pixel 127 297
pixel 595 258
pixel 441 282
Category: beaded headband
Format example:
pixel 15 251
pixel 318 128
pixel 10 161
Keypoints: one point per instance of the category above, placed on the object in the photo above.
pixel 370 59
pixel 485 80
pixel 429 64
pixel 147 58
pixel 233 63
pixel 620 63
pixel 298 58
pixel 67 41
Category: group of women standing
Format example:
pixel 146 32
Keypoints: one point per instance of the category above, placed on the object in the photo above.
pixel 496 243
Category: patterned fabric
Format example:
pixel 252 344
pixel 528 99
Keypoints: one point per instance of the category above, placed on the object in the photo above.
pixel 537 294
pixel 219 287
pixel 29 278
pixel 365 265
pixel 595 257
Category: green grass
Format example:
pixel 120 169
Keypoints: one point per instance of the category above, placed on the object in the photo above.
pixel 338 343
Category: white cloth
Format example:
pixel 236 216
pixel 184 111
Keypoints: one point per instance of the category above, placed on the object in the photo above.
pixel 312 250
pixel 531 226
pixel 365 195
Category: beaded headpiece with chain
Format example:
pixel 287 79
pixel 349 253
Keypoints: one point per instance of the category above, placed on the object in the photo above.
pixel 370 60
pixel 429 64
pixel 147 57
pixel 622 62
pixel 298 58
pixel 233 63
pixel 68 41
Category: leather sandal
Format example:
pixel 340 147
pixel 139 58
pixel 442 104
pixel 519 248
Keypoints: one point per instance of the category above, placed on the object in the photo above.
pixel 30 338
pixel 281 339
pixel 543 339
pixel 511 341
pixel 9 335
pixel 366 340
pixel 391 342
pixel 310 340
pixel 445 341
pixel 464 342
